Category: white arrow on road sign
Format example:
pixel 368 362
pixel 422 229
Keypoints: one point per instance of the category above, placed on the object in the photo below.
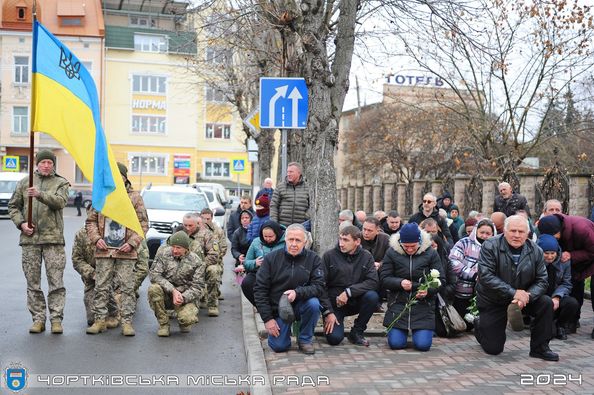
pixel 295 96
pixel 280 92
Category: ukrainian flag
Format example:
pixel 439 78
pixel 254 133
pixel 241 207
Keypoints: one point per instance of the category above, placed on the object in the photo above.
pixel 65 106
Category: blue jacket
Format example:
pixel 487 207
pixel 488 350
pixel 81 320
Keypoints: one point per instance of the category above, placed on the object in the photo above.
pixel 257 249
pixel 562 277
pixel 256 226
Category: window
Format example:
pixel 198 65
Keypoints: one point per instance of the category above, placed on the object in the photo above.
pixel 216 169
pixel 79 177
pixel 149 164
pixel 148 124
pixel 21 69
pixel 20 119
pixel 215 95
pixel 21 13
pixel 149 84
pixel 218 56
pixel 217 25
pixel 150 43
pixel 141 21
pixel 70 21
pixel 218 131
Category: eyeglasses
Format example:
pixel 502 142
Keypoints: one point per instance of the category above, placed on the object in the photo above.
pixel 428 201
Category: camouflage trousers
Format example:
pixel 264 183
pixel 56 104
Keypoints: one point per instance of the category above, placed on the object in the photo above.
pixel 55 260
pixel 113 273
pixel 161 301
pixel 212 277
pixel 113 306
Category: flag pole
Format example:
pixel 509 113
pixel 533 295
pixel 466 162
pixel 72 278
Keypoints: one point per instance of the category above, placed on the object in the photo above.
pixel 31 135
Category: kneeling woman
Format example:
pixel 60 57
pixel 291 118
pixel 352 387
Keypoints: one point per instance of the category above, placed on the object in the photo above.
pixel 404 267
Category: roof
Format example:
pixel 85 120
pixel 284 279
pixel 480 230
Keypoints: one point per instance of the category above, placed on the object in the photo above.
pixel 122 37
pixel 174 7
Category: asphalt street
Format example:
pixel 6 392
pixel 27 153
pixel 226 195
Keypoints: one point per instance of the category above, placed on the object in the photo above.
pixel 214 347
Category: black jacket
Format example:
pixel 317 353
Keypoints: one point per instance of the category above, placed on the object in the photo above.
pixel 386 229
pixel 443 225
pixel 239 243
pixel 280 272
pixel 290 203
pixel 398 266
pixel 377 247
pixel 341 271
pixel 512 205
pixel 235 221
pixel 499 277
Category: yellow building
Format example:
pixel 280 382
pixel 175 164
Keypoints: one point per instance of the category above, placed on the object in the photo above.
pixel 78 25
pixel 160 118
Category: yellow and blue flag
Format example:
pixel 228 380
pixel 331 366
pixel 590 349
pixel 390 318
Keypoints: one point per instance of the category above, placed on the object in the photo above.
pixel 65 105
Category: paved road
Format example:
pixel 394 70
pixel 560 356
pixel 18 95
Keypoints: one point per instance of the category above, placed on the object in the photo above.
pixel 215 346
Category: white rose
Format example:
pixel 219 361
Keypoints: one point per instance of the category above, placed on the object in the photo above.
pixel 469 318
pixel 437 282
pixel 434 273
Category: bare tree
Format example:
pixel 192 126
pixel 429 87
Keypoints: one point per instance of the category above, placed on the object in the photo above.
pixel 507 64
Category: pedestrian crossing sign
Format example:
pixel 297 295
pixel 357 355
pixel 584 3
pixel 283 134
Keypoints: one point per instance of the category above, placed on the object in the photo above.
pixel 10 163
pixel 238 166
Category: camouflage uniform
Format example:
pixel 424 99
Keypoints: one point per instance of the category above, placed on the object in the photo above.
pixel 186 274
pixel 214 271
pixel 46 243
pixel 111 263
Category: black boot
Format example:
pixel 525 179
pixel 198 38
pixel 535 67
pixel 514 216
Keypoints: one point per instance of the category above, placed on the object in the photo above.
pixel 561 335
pixel 570 327
pixel 544 352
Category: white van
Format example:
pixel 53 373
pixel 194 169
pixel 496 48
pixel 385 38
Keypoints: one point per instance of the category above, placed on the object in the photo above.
pixel 8 183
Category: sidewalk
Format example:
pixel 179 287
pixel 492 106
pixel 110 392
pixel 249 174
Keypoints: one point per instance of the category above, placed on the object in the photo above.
pixel 451 366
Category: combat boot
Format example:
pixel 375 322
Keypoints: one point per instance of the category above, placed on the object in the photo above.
pixel 213 311
pixel 37 327
pixel 57 327
pixel 163 330
pixel 112 322
pixel 127 329
pixel 185 328
pixel 97 327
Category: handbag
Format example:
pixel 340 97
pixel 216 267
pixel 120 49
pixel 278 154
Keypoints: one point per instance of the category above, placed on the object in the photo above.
pixel 451 319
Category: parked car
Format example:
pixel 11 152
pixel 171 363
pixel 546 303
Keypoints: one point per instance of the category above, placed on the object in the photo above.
pixel 87 197
pixel 217 201
pixel 8 183
pixel 166 207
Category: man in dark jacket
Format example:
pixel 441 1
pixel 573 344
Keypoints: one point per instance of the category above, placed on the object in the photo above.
pixel 297 273
pixel 351 283
pixel 513 277
pixel 428 209
pixel 290 200
pixel 375 241
pixel 392 223
pixel 245 203
pixel 509 202
pixel 576 237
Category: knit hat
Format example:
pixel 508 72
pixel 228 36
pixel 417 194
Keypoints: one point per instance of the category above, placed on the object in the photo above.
pixel 454 207
pixel 410 233
pixel 262 206
pixel 550 225
pixel 548 243
pixel 45 154
pixel 180 239
pixel 123 169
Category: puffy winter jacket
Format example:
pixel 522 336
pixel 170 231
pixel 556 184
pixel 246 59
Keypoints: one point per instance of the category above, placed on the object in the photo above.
pixel 398 266
pixel 290 203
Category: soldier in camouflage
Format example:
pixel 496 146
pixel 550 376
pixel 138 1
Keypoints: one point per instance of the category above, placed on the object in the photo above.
pixel 177 278
pixel 115 262
pixel 44 240
pixel 83 261
pixel 214 274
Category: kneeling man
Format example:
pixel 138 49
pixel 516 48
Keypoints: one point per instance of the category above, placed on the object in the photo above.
pixel 351 283
pixel 178 282
pixel 295 272
pixel 513 277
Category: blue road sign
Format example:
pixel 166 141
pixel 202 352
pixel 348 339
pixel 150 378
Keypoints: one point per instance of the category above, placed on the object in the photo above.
pixel 283 103
pixel 238 165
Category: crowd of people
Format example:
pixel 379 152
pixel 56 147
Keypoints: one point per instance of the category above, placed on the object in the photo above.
pixel 492 270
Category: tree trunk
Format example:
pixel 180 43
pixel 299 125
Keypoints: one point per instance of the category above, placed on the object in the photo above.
pixel 266 150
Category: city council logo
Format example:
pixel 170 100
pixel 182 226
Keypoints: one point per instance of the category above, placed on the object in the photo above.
pixel 15 377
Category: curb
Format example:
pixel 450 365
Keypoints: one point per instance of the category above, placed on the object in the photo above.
pixel 254 354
